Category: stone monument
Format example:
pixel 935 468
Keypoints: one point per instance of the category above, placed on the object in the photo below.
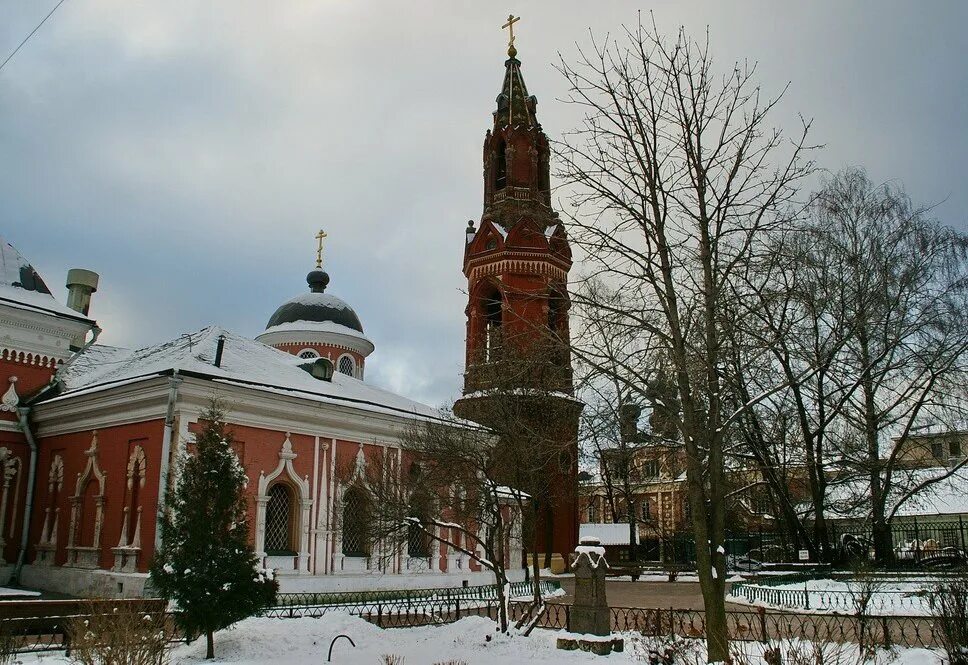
pixel 591 627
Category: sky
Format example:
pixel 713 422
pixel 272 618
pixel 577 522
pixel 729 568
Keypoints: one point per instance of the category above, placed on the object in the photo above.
pixel 188 151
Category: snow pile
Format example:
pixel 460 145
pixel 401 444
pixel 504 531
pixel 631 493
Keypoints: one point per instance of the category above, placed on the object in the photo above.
pixel 473 640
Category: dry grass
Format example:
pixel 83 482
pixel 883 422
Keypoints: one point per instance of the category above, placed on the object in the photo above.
pixel 123 635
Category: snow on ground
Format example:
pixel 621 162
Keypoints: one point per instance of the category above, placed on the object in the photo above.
pixel 472 640
pixel 7 592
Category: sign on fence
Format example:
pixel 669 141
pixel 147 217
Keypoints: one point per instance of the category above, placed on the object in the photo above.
pixel 804 555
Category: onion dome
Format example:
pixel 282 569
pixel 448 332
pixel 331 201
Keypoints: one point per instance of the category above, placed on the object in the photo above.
pixel 319 324
pixel 316 307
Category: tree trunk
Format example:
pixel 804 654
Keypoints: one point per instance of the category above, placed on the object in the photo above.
pixel 209 644
pixel 883 541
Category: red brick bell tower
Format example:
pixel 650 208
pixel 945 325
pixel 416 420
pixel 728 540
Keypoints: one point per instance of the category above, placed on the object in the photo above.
pixel 516 263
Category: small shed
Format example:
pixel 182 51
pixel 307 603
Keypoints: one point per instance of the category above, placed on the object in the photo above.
pixel 613 537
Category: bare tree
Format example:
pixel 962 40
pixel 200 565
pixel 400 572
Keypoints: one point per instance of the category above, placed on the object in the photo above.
pixel 444 488
pixel 902 285
pixel 677 181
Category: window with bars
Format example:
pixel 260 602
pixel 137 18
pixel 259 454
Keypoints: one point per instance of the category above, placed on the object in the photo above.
pixel 308 354
pixel 356 521
pixel 279 515
pixel 347 366
pixel 418 542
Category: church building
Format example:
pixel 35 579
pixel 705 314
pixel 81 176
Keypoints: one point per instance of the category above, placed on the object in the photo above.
pixel 90 434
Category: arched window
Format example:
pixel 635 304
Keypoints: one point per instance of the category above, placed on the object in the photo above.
pixel 347 365
pixel 493 318
pixel 356 522
pixel 279 520
pixel 308 354
pixel 418 542
pixel 501 166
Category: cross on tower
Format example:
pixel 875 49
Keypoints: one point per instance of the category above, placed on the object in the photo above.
pixel 319 248
pixel 512 19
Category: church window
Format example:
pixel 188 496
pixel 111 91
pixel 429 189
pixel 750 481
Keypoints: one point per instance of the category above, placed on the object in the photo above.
pixel 308 354
pixel 418 542
pixel 356 522
pixel 279 520
pixel 501 167
pixel 491 244
pixel 493 317
pixel 347 365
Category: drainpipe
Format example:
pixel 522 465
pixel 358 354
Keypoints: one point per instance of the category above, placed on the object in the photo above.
pixel 173 384
pixel 23 414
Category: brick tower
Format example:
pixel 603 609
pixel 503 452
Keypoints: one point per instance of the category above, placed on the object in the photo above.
pixel 516 263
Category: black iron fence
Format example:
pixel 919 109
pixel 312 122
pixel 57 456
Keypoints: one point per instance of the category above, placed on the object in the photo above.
pixel 403 600
pixel 26 634
pixel 917 544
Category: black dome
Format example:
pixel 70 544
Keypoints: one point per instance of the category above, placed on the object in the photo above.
pixel 318 308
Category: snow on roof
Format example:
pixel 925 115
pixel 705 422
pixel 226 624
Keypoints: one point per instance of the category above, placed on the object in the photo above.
pixel 244 362
pixel 607 534
pixel 23 288
pixel 315 326
pixel 945 497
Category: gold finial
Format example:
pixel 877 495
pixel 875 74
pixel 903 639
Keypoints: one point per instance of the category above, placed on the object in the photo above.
pixel 319 248
pixel 512 19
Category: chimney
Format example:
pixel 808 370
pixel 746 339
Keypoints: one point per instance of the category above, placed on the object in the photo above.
pixel 218 350
pixel 80 285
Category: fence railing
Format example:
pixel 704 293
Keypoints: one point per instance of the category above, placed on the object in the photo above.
pixel 288 604
pixel 916 543
pixel 27 635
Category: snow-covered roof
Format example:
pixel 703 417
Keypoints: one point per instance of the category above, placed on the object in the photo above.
pixel 607 534
pixel 945 497
pixel 315 326
pixel 23 288
pixel 244 362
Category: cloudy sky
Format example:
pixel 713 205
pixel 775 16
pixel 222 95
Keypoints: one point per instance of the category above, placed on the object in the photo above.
pixel 189 150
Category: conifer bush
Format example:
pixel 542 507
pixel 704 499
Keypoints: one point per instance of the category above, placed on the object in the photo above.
pixel 206 565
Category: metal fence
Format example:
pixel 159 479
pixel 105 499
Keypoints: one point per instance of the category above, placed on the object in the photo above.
pixel 916 544
pixel 415 601
pixel 27 635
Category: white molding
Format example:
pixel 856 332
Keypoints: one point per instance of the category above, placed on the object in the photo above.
pixel 148 399
pixel 304 499
pixel 34 332
pixel 360 344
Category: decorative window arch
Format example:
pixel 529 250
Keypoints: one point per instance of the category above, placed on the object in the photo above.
pixel 346 365
pixel 9 467
pixel 87 513
pixel 308 354
pixel 300 503
pixel 490 309
pixel 126 553
pixel 48 532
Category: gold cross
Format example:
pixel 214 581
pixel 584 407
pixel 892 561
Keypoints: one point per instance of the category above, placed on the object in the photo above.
pixel 512 19
pixel 319 248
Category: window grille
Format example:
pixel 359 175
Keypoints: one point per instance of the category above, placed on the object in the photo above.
pixel 308 354
pixel 418 542
pixel 346 365
pixel 356 520
pixel 279 520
